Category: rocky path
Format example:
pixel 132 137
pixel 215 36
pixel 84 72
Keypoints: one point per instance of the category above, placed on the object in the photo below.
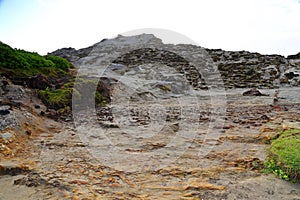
pixel 61 164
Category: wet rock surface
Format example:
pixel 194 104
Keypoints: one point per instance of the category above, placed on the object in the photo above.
pixel 163 118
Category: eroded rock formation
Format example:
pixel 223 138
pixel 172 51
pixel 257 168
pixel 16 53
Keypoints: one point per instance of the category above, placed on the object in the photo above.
pixel 238 69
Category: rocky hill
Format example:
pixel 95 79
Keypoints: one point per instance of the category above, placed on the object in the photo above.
pixel 163 122
pixel 238 69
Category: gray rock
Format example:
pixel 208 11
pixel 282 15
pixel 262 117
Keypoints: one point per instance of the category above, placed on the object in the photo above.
pixel 253 92
pixel 8 120
pixel 4 110
pixel 7 137
pixel 238 69
pixel 15 92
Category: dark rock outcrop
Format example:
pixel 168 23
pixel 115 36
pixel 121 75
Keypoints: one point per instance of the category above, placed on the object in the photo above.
pixel 38 82
pixel 296 56
pixel 242 69
pixel 3 88
pixel 73 55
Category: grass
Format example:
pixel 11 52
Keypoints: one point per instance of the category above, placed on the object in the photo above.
pixel 61 99
pixel 284 155
pixel 56 99
pixel 272 167
pixel 22 73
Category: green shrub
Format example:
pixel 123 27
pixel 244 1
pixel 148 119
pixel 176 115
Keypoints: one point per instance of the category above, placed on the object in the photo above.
pixel 35 60
pixel 272 167
pixel 56 99
pixel 20 63
pixel 59 62
pixel 9 58
pixel 61 99
pixel 284 155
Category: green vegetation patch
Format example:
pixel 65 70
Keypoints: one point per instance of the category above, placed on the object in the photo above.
pixel 100 94
pixel 56 99
pixel 18 63
pixel 59 62
pixel 61 99
pixel 51 76
pixel 284 155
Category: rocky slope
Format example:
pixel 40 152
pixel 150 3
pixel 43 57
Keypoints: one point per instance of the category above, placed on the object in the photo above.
pixel 44 159
pixel 177 126
pixel 238 69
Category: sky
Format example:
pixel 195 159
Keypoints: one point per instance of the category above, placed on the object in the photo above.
pixel 264 26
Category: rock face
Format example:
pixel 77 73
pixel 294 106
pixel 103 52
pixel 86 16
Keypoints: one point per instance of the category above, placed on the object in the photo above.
pixel 72 54
pixel 243 69
pixel 238 69
pixel 294 57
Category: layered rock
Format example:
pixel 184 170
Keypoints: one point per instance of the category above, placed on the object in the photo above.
pixel 198 66
pixel 243 69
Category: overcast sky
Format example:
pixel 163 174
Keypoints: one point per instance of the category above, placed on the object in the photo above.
pixel 264 26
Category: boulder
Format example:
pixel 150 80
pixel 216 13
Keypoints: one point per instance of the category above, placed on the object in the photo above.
pixel 253 92
pixel 7 118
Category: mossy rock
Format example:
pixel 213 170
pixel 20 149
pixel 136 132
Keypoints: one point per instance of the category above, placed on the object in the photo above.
pixel 56 99
pixel 61 99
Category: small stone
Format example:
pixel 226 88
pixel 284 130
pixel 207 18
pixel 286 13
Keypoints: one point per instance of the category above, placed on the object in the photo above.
pixel 4 112
pixel 7 137
pixel 12 168
pixel 28 132
pixel 264 117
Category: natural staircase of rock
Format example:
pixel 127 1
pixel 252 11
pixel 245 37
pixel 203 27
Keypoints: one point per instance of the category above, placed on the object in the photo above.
pixel 148 55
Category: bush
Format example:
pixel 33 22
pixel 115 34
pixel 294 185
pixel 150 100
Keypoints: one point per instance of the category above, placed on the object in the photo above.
pixel 284 155
pixel 24 63
pixel 56 99
pixel 59 62
pixel 9 58
pixel 62 98
pixel 272 167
